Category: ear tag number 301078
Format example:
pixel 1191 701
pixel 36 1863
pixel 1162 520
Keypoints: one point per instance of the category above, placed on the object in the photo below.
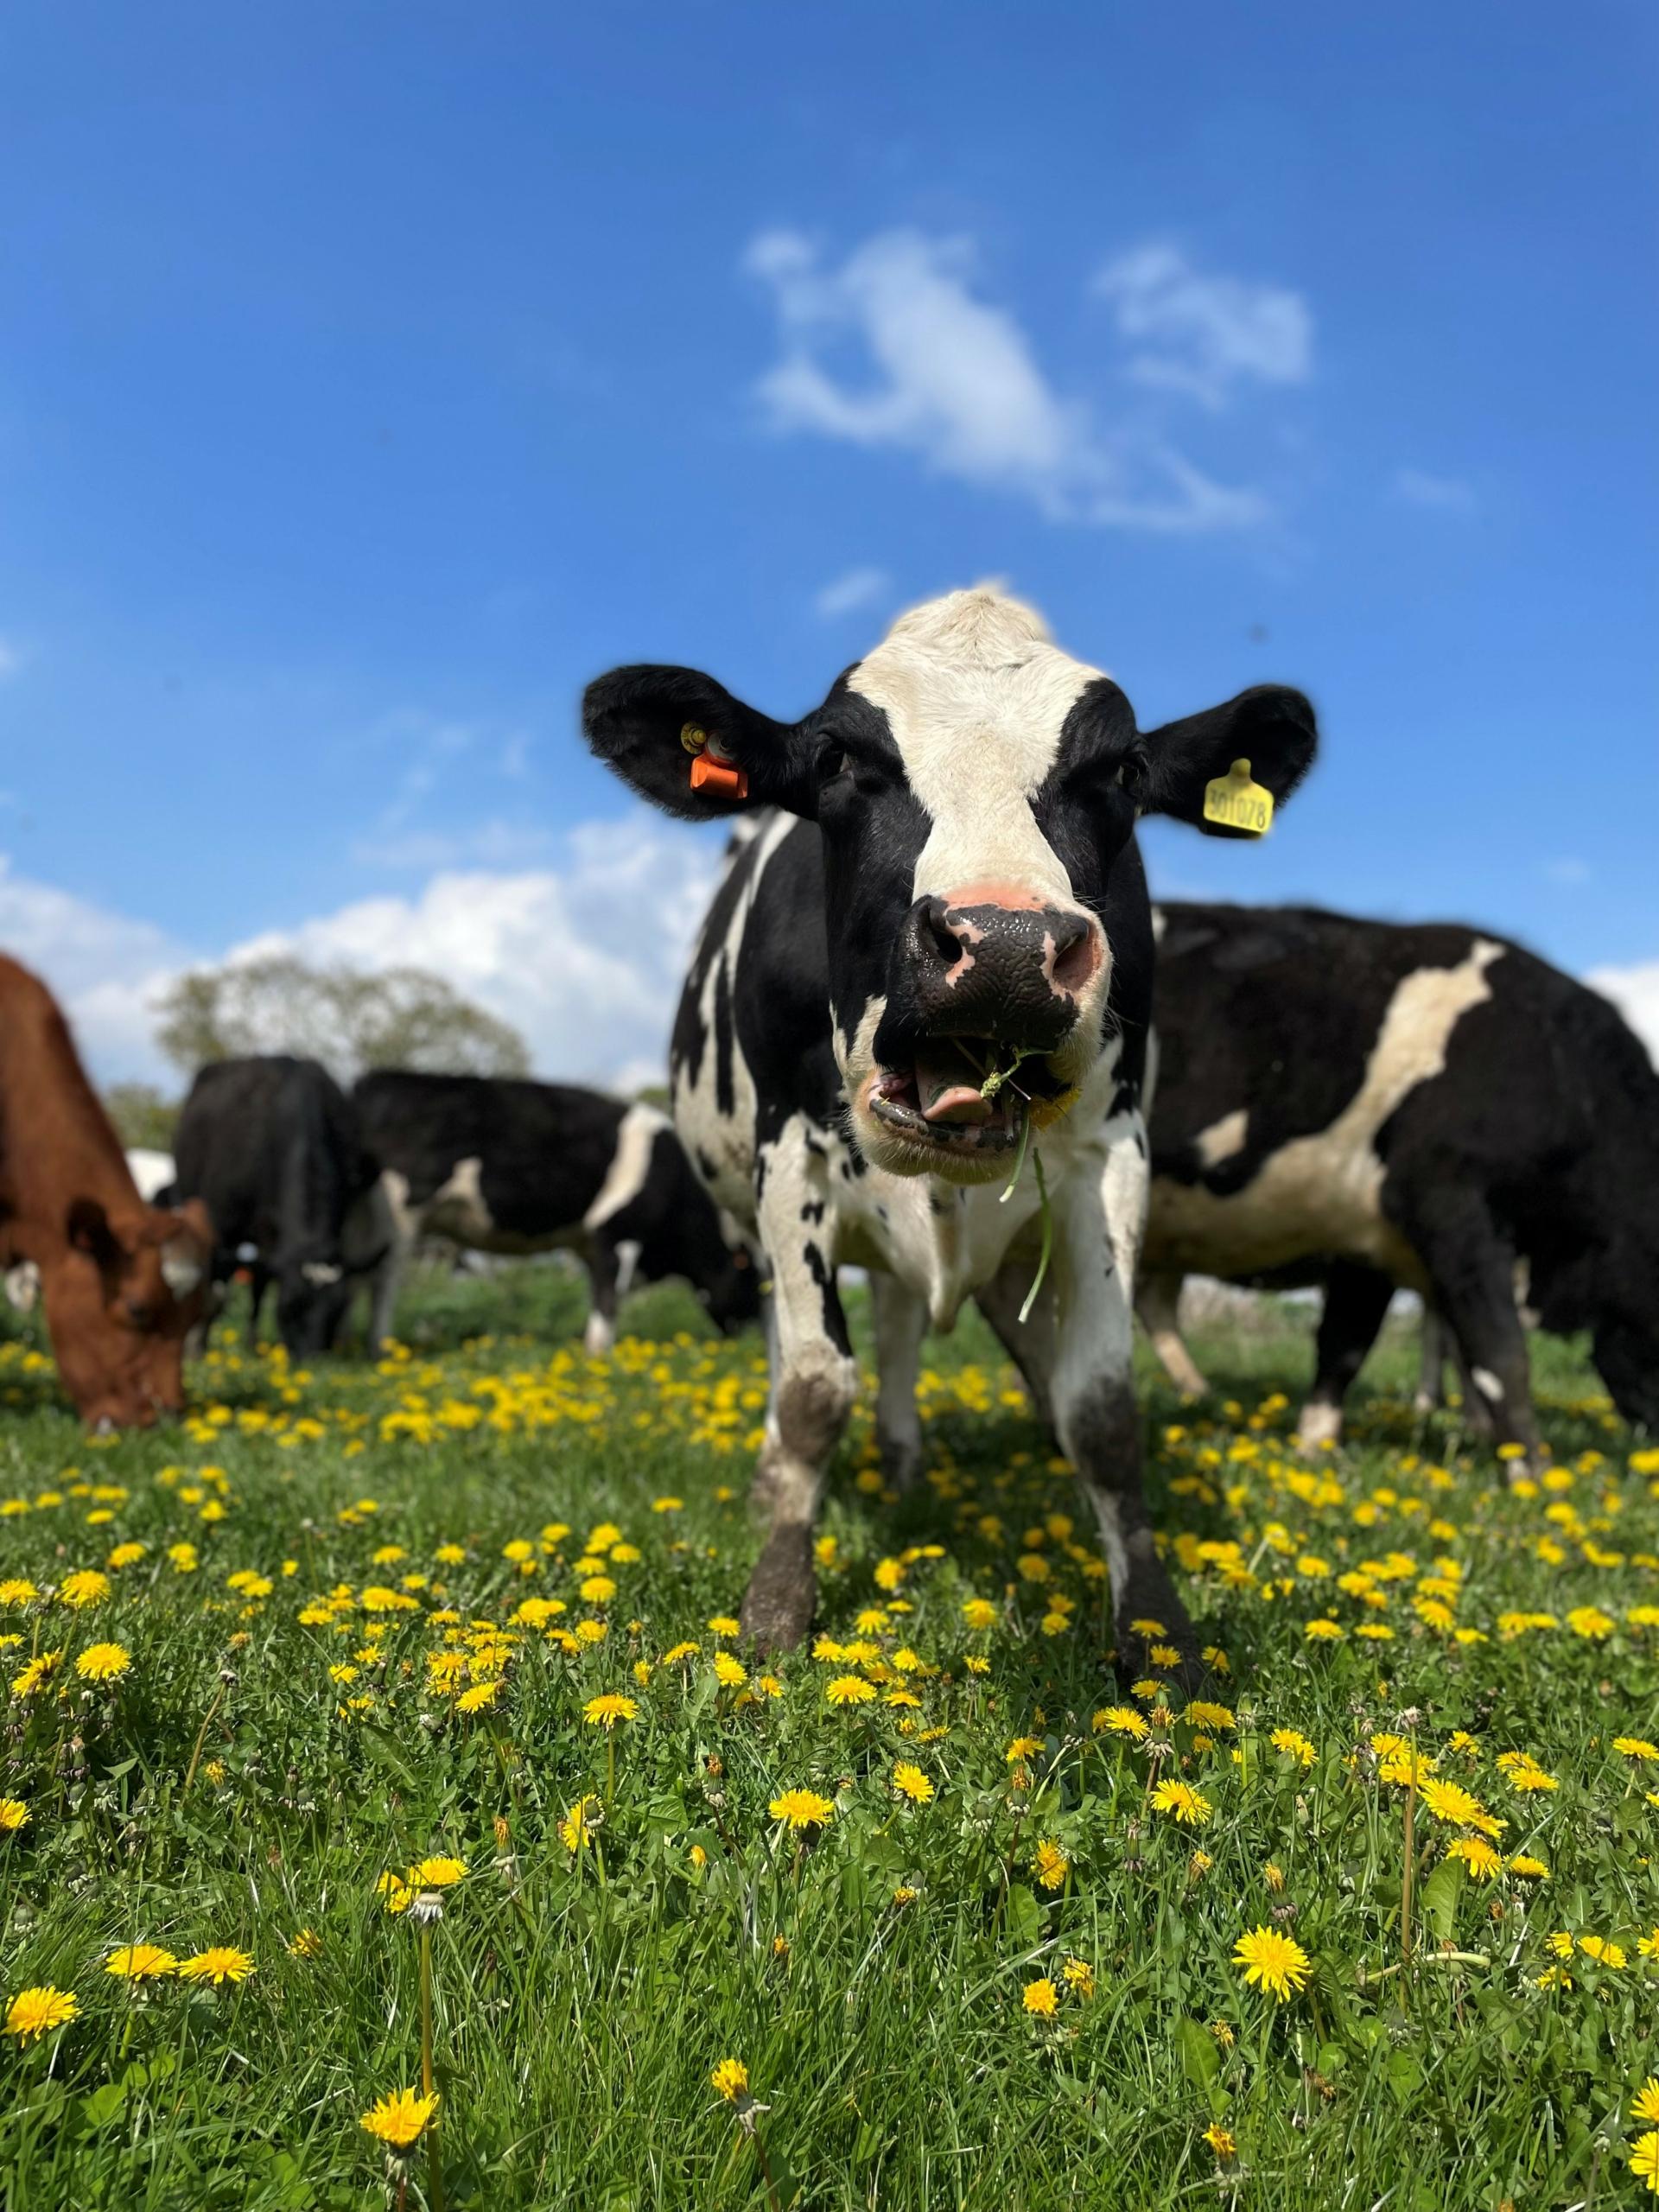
pixel 712 768
pixel 1237 804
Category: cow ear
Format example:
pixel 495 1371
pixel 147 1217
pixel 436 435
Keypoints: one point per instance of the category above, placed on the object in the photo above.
pixel 87 1227
pixel 1270 726
pixel 684 743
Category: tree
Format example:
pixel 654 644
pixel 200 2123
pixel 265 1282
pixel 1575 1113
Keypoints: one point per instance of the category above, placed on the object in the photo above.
pixel 350 1021
pixel 144 1120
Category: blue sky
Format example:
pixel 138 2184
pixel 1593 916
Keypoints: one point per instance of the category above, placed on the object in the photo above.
pixel 370 376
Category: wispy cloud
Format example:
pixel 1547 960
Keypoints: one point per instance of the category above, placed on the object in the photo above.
pixel 489 844
pixel 846 592
pixel 1205 335
pixel 1418 487
pixel 898 347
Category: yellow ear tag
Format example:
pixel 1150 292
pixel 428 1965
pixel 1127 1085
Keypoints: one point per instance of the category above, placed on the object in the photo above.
pixel 692 738
pixel 1238 804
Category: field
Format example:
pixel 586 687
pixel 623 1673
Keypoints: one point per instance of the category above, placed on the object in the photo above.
pixel 302 1694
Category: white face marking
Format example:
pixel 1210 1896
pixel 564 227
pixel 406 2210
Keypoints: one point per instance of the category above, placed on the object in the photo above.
pixel 151 1171
pixel 625 1177
pixel 1322 1193
pixel 975 696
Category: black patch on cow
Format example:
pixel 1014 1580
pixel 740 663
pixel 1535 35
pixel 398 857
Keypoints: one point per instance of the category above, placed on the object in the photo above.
pixel 835 1321
pixel 725 1088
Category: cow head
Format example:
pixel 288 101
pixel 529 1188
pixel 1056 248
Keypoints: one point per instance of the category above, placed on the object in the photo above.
pixel 976 787
pixel 121 1294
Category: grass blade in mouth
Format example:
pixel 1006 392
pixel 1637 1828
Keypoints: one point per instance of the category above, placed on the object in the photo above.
pixel 1047 1213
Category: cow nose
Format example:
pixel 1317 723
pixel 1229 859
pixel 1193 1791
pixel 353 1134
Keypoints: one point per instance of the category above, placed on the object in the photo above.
pixel 1008 973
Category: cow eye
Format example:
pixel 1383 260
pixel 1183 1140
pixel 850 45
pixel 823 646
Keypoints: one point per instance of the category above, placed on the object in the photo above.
pixel 833 760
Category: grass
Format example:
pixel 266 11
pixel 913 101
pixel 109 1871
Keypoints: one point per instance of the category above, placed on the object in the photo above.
pixel 280 1743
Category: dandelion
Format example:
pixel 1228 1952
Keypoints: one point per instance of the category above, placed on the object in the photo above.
pixel 307 1944
pixel 103 1663
pixel 910 1782
pixel 1644 2105
pixel 724 1625
pixel 979 1613
pixel 1120 1721
pixel 438 1873
pixel 1041 1998
pixel 1078 1976
pixel 1295 1745
pixel 605 1711
pixel 1050 1864
pixel 1272 1962
pixel 38 1671
pixel 1604 1952
pixel 1220 2140
pixel 850 1689
pixel 1183 1802
pixel 729 1672
pixel 141 1962
pixel 35 2013
pixel 1644 2159
pixel 481 1696
pixel 802 1808
pixel 217 1963
pixel 1530 1869
pixel 394 1892
pixel 14 1815
pixel 731 2078
pixel 1457 1806
pixel 578 1825
pixel 85 1587
pixel 1636 1747
pixel 398 2119
pixel 1477 1855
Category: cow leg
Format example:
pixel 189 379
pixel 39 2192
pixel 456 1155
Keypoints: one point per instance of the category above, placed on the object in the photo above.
pixel 1098 1427
pixel 385 1282
pixel 901 1325
pixel 1431 1373
pixel 814 1382
pixel 1157 1303
pixel 1472 1271
pixel 1029 1344
pixel 600 1336
pixel 1356 1304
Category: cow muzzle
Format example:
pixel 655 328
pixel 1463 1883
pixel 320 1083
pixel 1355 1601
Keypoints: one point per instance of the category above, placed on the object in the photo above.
pixel 987 1022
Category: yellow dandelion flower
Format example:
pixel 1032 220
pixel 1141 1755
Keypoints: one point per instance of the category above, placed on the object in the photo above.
pixel 480 1698
pixel 724 1625
pixel 1050 1864
pixel 579 1824
pixel 1295 1745
pixel 1604 1952
pixel 850 1689
pixel 306 1944
pixel 1532 1870
pixel 36 2012
pixel 729 1671
pixel 103 1663
pixel 85 1587
pixel 14 1815
pixel 1636 1747
pixel 399 2118
pixel 1120 1721
pixel 436 1873
pixel 1183 1802
pixel 1477 1855
pixel 731 2078
pixel 802 1808
pixel 1644 2159
pixel 910 1782
pixel 1644 2105
pixel 1078 1975
pixel 979 1613
pixel 1041 1998
pixel 140 1962
pixel 217 1963
pixel 605 1711
pixel 1272 1962
pixel 1220 2140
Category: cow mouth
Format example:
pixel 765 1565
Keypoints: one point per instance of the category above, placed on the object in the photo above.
pixel 961 1094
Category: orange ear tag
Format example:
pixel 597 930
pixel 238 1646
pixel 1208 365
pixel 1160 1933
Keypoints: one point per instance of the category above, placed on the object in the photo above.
pixel 712 769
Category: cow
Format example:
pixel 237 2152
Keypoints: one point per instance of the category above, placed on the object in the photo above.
pixel 1376 1104
pixel 933 957
pixel 505 1165
pixel 273 1146
pixel 122 1281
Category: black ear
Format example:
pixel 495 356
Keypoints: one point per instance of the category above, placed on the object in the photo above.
pixel 1270 726
pixel 647 722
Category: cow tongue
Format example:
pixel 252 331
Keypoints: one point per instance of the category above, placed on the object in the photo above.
pixel 948 1085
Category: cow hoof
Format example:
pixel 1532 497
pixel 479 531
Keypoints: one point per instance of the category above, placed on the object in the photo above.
pixel 783 1592
pixel 1319 1425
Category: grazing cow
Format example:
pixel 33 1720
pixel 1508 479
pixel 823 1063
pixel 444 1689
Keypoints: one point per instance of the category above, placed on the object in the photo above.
pixel 945 960
pixel 274 1147
pixel 122 1281
pixel 500 1165
pixel 1429 1105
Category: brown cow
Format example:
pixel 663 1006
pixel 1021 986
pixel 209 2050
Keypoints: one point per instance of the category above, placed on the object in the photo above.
pixel 122 1281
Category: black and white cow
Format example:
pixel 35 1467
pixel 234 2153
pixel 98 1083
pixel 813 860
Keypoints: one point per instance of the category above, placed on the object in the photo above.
pixel 1371 1105
pixel 498 1165
pixel 274 1147
pixel 950 883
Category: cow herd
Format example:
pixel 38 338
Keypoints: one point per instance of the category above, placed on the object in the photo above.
pixel 933 1028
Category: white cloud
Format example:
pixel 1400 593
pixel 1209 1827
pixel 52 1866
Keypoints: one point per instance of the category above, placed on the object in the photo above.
pixel 104 968
pixel 495 844
pixel 1203 334
pixel 585 959
pixel 1635 991
pixel 1416 487
pixel 845 593
pixel 894 348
